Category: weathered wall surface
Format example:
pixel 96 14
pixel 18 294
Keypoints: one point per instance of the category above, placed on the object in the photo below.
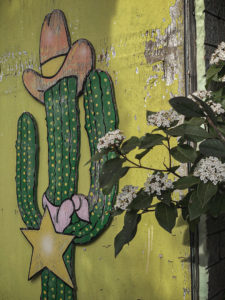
pixel 140 43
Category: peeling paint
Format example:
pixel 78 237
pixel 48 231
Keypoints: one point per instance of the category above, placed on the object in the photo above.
pixel 165 48
pixel 113 51
pixel 186 292
pixel 152 80
pixel 13 63
pixel 106 55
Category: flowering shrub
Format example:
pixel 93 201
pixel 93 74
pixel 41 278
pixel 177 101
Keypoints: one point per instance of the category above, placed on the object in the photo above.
pixel 110 140
pixel 210 169
pixel 127 195
pixel 218 55
pixel 197 124
pixel 157 183
pixel 164 118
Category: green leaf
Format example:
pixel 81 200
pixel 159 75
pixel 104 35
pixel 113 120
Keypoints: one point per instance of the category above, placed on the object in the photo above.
pixel 111 172
pixel 165 198
pixel 186 182
pixel 139 156
pixel 173 169
pixel 205 192
pixel 222 72
pixel 166 215
pixel 193 133
pixel 111 165
pixel 214 69
pixel 195 208
pixel 208 110
pixel 183 203
pixel 97 156
pixel 184 153
pixel 142 201
pixel 222 129
pixel 181 140
pixel 212 147
pixel 131 220
pixel 195 121
pixel 117 212
pixel 218 96
pixel 107 188
pixel 149 113
pixel 151 140
pixel 156 129
pixel 212 132
pixel 123 172
pixel 185 213
pixel 216 78
pixel 130 144
pixel 186 107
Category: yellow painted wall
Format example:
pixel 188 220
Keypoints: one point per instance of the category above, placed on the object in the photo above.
pixel 140 43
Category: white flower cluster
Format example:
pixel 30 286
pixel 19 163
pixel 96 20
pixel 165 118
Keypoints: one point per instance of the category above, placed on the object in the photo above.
pixel 216 107
pixel 218 55
pixel 163 118
pixel 203 94
pixel 210 169
pixel 128 193
pixel 112 138
pixel 157 183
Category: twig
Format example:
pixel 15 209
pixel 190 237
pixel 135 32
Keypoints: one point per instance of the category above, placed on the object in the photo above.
pixel 139 165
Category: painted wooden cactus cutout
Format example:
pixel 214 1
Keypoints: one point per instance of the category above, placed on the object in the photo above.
pixel 82 216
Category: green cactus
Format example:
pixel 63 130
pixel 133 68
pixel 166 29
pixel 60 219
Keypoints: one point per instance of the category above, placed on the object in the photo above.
pixel 27 147
pixel 63 128
pixel 100 117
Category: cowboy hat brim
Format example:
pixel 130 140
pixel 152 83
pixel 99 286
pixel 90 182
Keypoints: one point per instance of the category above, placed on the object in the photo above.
pixel 78 62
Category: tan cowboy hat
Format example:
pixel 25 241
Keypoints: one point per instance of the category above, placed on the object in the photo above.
pixel 55 44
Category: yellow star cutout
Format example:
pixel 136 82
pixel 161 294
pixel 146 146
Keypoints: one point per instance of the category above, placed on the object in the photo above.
pixel 48 249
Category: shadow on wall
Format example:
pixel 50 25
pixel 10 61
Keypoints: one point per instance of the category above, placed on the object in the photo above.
pixel 86 19
pixel 92 20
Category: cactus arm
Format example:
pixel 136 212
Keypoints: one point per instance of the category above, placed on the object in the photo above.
pixel 26 170
pixel 101 117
